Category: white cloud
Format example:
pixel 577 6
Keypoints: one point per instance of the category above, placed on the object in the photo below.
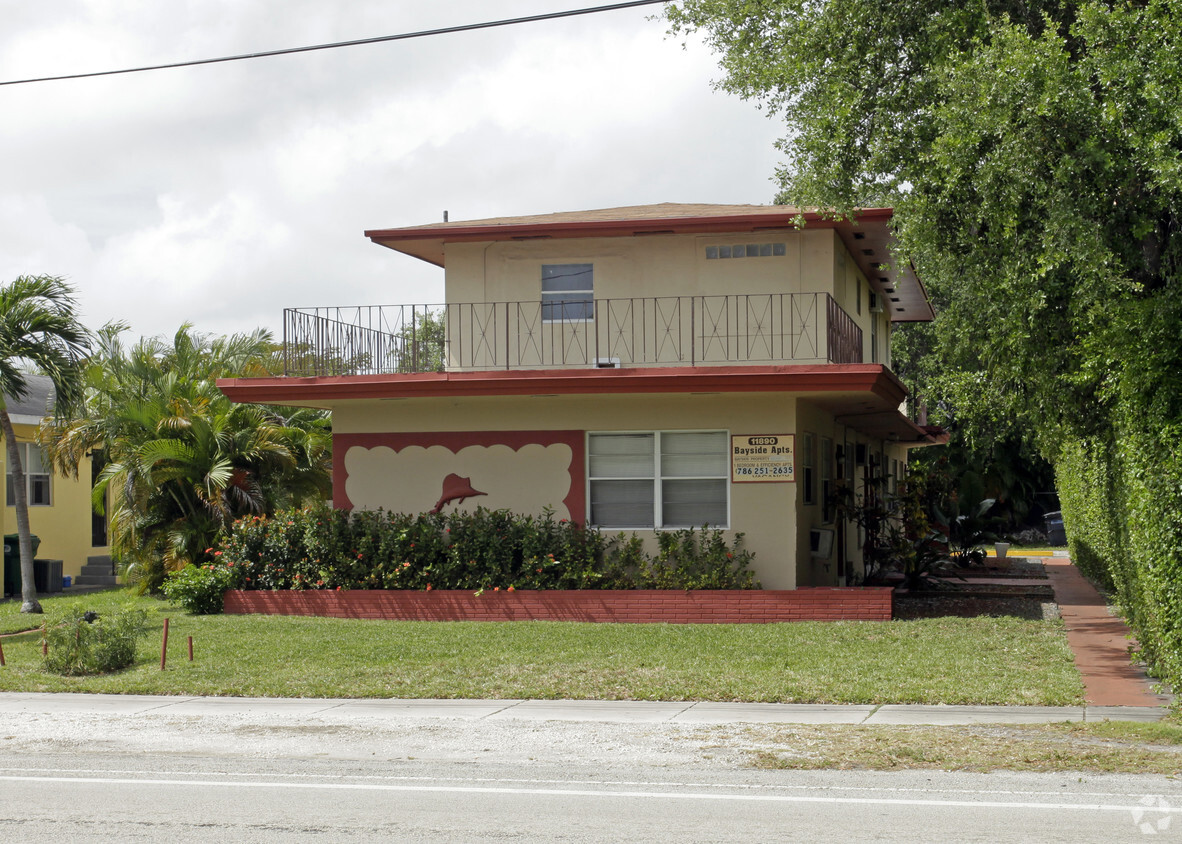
pixel 222 194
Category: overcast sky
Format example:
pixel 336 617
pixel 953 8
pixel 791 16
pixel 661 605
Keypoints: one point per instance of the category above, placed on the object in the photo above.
pixel 222 194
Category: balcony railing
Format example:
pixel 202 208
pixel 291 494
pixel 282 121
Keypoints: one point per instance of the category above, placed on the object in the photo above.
pixel 656 331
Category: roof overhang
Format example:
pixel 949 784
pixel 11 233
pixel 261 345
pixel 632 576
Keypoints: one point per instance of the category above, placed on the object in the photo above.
pixel 865 397
pixel 25 419
pixel 867 237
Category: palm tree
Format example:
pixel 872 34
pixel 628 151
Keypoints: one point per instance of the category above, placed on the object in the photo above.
pixel 181 460
pixel 38 330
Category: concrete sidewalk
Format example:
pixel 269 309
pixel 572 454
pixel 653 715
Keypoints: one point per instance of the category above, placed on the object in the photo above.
pixel 622 711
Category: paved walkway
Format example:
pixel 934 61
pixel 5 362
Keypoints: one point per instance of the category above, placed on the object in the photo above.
pixel 622 711
pixel 1100 640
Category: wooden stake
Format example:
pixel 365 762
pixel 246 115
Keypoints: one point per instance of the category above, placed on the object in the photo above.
pixel 190 649
pixel 164 645
pixel 1 654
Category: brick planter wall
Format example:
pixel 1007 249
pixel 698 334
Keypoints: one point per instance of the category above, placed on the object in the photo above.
pixel 628 606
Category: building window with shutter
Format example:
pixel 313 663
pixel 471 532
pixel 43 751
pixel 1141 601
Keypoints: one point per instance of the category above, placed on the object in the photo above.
pixel 658 479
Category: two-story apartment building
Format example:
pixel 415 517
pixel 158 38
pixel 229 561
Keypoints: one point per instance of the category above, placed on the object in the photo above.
pixel 636 369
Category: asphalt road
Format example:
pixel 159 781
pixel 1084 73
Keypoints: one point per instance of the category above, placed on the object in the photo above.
pixel 229 777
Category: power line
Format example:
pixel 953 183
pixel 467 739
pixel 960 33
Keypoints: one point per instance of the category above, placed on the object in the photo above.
pixel 400 37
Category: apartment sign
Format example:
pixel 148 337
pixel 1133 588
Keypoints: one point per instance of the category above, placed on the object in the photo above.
pixel 763 459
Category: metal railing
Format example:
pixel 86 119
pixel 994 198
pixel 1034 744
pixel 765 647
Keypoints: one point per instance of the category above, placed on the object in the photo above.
pixel 653 331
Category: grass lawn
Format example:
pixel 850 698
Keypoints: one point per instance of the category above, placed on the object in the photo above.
pixel 952 661
pixel 1102 747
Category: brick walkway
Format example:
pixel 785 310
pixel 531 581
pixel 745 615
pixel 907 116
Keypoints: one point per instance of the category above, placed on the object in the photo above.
pixel 1100 640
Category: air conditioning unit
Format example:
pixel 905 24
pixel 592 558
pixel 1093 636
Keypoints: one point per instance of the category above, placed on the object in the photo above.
pixel 821 543
pixel 876 306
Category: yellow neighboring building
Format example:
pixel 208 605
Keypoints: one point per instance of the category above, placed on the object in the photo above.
pixel 59 508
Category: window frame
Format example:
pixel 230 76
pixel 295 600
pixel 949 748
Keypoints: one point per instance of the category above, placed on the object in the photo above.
pixel 826 474
pixel 584 298
pixel 658 478
pixel 808 462
pixel 31 478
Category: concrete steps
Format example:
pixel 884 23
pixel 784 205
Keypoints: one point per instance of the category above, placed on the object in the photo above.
pixel 98 571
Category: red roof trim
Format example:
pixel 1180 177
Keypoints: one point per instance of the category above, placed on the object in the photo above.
pixel 608 228
pixel 872 378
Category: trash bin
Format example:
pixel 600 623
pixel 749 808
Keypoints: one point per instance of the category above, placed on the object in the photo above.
pixel 1056 533
pixel 47 576
pixel 12 562
pixel 12 565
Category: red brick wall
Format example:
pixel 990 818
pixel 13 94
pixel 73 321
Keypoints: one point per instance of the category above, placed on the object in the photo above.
pixel 637 606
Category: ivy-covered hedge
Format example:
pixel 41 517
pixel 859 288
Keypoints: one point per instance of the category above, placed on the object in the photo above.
pixel 1121 503
pixel 321 548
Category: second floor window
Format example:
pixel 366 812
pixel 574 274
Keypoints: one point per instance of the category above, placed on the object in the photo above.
pixel 568 292
pixel 37 476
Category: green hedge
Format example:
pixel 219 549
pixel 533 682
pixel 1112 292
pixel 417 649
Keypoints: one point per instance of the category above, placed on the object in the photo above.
pixel 321 548
pixel 1122 507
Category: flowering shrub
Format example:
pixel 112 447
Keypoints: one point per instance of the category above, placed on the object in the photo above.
pixel 320 548
pixel 691 560
pixel 199 589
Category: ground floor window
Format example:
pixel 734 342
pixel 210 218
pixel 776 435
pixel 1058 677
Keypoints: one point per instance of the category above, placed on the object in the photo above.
pixel 37 486
pixel 658 479
pixel 826 480
pixel 808 461
pixel 98 521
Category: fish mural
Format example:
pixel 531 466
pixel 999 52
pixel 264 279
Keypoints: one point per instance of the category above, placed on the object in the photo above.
pixel 456 489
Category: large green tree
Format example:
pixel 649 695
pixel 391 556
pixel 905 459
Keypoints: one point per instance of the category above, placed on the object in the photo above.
pixel 181 461
pixel 1032 150
pixel 39 332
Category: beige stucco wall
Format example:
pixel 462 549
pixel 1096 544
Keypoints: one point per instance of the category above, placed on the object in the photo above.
pixel 814 262
pixel 765 512
pixel 527 480
pixel 65 526
pixel 772 516
pixel 658 265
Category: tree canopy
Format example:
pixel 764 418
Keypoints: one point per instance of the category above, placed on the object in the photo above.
pixel 181 461
pixel 39 331
pixel 1032 150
